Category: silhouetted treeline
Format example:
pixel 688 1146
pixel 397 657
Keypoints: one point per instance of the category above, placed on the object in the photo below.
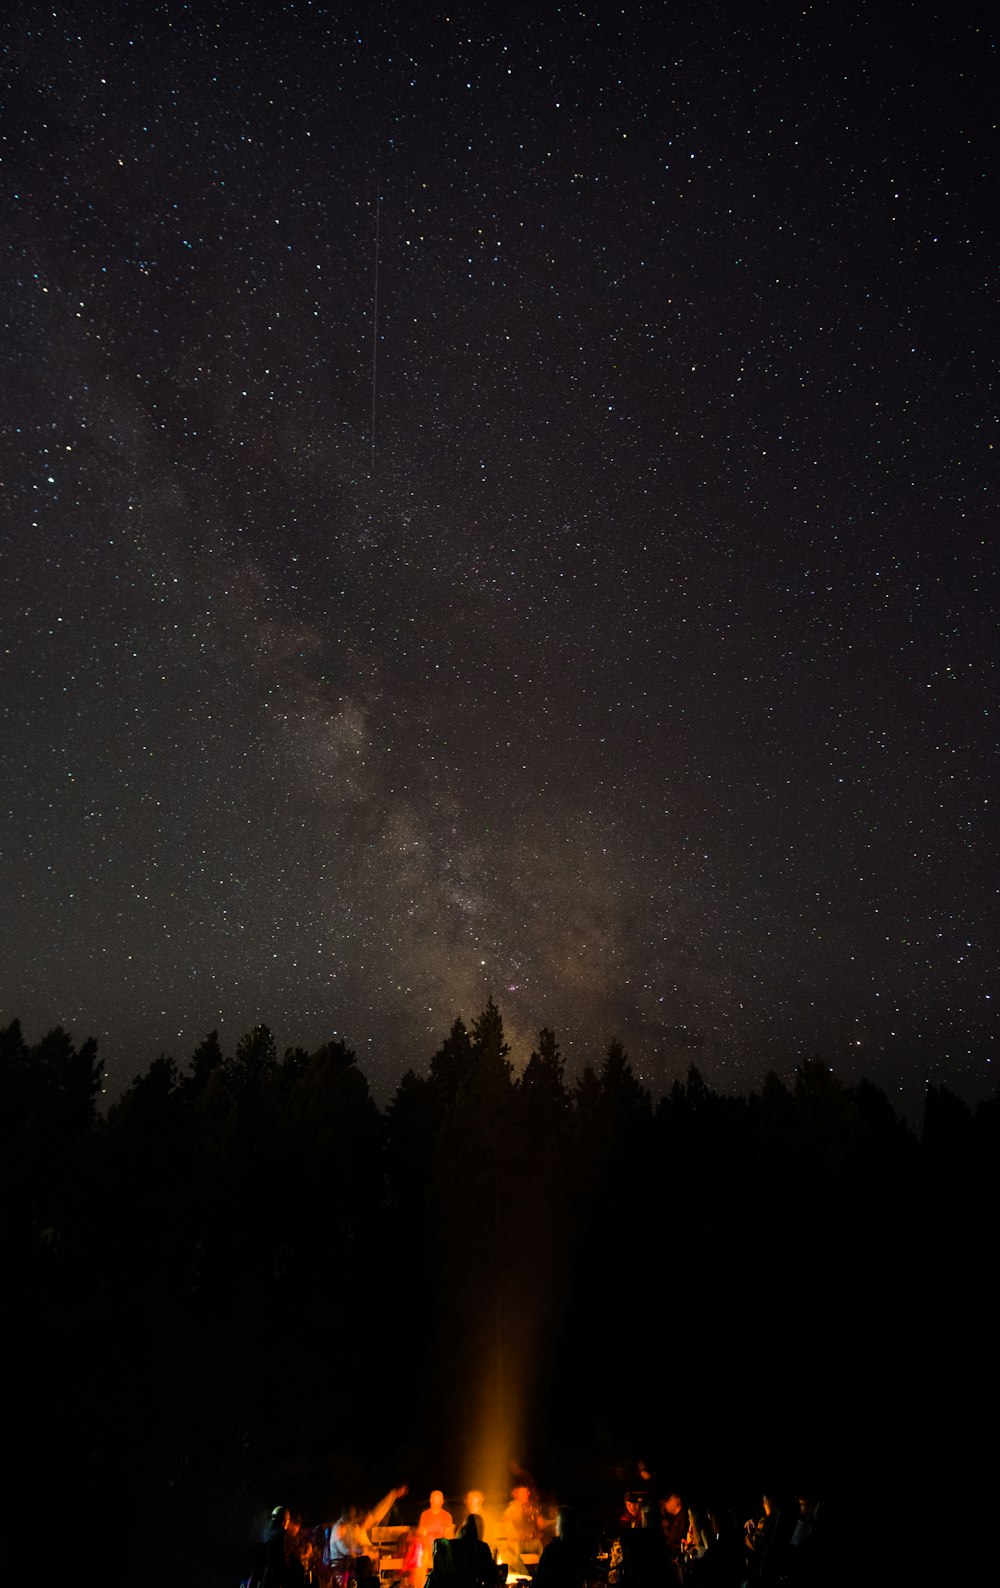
pixel 247 1283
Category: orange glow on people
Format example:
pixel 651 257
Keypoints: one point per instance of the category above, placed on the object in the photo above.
pixel 435 1522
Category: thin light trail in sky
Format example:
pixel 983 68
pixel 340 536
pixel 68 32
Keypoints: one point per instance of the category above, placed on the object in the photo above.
pixel 378 215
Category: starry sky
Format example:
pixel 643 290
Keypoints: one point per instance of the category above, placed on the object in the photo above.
pixel 500 499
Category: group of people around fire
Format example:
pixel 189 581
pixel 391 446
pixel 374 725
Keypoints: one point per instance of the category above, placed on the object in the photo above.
pixel 663 1541
pixel 658 1541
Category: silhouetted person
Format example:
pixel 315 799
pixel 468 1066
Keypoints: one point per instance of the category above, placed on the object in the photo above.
pixel 563 1562
pixel 277 1563
pixel 802 1558
pixel 674 1523
pixel 475 1505
pixel 464 1561
pixel 722 1560
pixel 765 1541
pixel 646 1561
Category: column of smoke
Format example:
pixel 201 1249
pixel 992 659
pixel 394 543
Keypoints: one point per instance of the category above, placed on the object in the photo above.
pixel 495 1447
pixel 508 1263
pixel 513 1340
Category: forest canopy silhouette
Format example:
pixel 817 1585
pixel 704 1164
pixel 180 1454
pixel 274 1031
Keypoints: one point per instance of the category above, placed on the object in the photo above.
pixel 247 1282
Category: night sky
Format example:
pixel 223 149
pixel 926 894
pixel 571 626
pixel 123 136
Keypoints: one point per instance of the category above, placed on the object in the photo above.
pixel 499 499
